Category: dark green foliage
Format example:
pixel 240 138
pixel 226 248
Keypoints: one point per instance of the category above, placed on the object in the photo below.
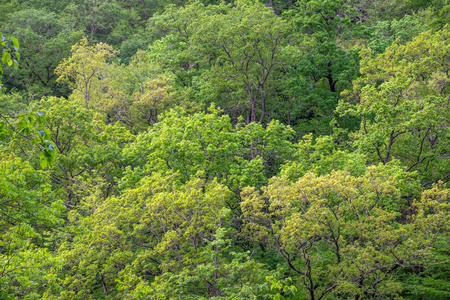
pixel 326 62
pixel 46 42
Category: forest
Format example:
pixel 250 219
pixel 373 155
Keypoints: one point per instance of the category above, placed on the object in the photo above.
pixel 238 149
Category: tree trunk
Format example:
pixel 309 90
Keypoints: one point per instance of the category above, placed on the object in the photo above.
pixel 253 110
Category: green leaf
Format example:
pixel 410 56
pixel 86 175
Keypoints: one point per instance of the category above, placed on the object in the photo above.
pixel 43 161
pixel 6 57
pixel 41 133
pixel 15 42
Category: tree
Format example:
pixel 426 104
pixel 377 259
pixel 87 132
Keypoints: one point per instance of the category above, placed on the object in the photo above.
pixel 133 94
pixel 384 33
pixel 402 101
pixel 32 125
pixel 10 53
pixel 344 235
pixel 162 237
pixel 245 53
pixel 86 71
pixel 208 142
pixel 324 62
pixel 28 212
pixel 321 156
pixel 45 43
pixel 234 67
pixel 87 150
pixel 136 94
pixel 9 50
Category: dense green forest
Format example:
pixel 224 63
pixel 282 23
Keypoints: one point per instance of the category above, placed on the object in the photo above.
pixel 207 149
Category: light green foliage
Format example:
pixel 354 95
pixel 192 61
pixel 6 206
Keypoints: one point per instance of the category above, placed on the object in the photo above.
pixel 28 211
pixel 34 124
pixel 86 71
pixel 133 94
pixel 436 14
pixel 280 287
pixel 402 100
pixel 177 25
pixel 87 151
pixel 245 155
pixel 137 93
pixel 321 156
pixel 30 127
pixel 162 237
pixel 207 160
pixel 345 234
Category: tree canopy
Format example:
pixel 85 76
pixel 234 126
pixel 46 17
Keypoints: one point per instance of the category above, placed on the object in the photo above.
pixel 238 149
